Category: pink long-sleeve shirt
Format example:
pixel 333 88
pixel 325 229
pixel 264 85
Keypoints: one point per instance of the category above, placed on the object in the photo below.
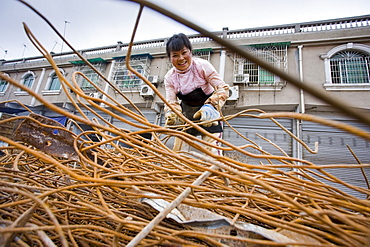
pixel 200 74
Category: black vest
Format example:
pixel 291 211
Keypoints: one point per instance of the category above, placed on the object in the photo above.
pixel 190 104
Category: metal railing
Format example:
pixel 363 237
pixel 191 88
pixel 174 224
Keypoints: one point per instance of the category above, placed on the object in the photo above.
pixel 316 26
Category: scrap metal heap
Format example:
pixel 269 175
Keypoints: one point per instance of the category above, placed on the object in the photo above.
pixel 108 195
pixel 63 189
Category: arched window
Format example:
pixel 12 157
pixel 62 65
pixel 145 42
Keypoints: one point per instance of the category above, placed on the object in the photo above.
pixel 54 83
pixel 3 86
pixel 347 67
pixel 28 80
pixel 350 66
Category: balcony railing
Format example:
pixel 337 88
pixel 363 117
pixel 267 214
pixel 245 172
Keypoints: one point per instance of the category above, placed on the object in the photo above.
pixel 316 26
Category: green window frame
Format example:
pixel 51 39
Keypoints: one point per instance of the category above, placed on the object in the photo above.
pixel 250 73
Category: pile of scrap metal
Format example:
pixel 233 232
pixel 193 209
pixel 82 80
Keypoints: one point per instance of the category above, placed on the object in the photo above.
pixel 59 189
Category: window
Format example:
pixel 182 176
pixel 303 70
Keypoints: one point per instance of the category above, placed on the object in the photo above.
pixel 54 83
pixel 350 67
pixel 124 78
pixel 3 86
pixel 89 73
pixel 28 80
pixel 251 74
pixel 203 53
pixel 347 67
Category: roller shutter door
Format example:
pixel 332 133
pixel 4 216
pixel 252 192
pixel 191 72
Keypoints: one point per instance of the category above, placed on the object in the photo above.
pixel 249 128
pixel 333 150
pixel 150 115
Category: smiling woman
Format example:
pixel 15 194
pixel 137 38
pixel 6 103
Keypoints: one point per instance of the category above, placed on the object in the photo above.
pixel 197 84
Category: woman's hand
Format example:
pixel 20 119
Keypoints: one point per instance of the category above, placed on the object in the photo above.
pixel 207 113
pixel 172 118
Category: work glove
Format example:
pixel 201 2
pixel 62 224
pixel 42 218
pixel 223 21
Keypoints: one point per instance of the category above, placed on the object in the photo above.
pixel 172 118
pixel 207 112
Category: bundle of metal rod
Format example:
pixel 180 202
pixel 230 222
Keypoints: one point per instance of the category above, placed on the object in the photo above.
pixel 121 189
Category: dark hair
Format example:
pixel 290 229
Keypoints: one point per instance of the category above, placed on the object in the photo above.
pixel 177 42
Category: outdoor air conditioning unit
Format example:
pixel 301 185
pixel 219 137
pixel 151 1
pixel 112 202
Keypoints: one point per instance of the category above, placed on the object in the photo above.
pixel 233 93
pixel 241 78
pixel 146 91
pixel 96 95
pixel 153 79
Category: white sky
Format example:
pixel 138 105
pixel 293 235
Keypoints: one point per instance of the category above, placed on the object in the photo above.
pixel 94 23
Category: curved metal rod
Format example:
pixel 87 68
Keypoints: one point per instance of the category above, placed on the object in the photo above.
pixel 365 118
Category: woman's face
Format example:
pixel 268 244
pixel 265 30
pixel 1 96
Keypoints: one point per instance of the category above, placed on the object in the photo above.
pixel 181 59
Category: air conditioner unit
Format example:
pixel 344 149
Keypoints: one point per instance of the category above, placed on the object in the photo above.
pixel 146 91
pixel 153 79
pixel 233 93
pixel 96 95
pixel 241 78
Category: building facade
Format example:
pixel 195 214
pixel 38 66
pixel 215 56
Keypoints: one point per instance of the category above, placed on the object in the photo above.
pixel 332 56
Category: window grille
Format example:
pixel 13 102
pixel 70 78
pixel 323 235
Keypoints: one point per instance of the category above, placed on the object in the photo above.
pixel 3 86
pixel 349 67
pixel 54 83
pixel 91 75
pixel 203 53
pixel 247 72
pixel 124 78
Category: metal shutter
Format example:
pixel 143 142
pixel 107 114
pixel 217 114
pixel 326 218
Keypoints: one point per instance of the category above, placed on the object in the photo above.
pixel 333 150
pixel 248 127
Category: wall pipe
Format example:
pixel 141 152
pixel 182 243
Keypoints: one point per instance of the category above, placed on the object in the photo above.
pixel 302 107
pixel 110 75
pixel 33 101
pixel 221 70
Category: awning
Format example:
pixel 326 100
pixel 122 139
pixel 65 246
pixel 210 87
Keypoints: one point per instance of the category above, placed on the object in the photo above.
pixel 133 56
pixel 269 44
pixel 201 50
pixel 91 60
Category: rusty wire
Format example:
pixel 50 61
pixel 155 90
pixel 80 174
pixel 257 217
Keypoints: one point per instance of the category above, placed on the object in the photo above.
pixel 96 201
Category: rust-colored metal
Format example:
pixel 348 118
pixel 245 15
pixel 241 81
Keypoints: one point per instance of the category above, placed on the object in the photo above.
pixel 44 134
pixel 48 200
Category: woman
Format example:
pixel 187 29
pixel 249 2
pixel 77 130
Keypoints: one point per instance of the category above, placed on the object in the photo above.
pixel 196 83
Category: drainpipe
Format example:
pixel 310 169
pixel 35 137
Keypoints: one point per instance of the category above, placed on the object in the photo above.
pixel 110 75
pixel 302 104
pixel 223 56
pixel 301 107
pixel 33 101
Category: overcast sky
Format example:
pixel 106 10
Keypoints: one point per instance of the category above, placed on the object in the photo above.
pixel 94 23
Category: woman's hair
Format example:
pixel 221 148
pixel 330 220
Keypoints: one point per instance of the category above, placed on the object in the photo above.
pixel 177 42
